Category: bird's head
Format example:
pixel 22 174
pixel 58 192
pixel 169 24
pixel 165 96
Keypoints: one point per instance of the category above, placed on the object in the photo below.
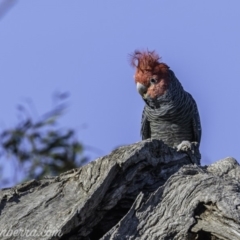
pixel 152 77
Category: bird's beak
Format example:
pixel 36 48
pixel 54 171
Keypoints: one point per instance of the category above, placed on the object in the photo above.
pixel 141 89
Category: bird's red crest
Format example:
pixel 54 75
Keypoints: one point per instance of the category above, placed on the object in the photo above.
pixel 147 63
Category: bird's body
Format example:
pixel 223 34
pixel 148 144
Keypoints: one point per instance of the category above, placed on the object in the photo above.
pixel 170 113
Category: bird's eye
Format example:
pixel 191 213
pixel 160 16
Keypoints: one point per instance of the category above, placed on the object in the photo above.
pixel 153 80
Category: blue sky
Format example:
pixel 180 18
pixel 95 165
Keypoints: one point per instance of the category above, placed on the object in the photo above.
pixel 82 47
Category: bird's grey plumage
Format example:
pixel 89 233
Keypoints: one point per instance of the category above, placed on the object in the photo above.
pixel 172 117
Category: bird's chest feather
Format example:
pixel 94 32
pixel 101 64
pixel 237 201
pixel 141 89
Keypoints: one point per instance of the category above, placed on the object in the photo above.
pixel 170 118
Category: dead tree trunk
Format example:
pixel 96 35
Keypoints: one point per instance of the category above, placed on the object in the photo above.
pixel 141 191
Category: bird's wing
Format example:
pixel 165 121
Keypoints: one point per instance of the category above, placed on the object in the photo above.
pixel 145 126
pixel 197 130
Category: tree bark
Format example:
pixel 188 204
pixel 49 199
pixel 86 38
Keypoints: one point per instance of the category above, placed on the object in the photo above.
pixel 141 191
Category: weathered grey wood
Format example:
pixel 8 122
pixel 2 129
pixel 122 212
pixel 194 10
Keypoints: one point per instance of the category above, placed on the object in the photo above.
pixel 195 203
pixel 141 191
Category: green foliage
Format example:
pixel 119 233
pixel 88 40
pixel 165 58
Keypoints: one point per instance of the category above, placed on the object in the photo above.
pixel 40 148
